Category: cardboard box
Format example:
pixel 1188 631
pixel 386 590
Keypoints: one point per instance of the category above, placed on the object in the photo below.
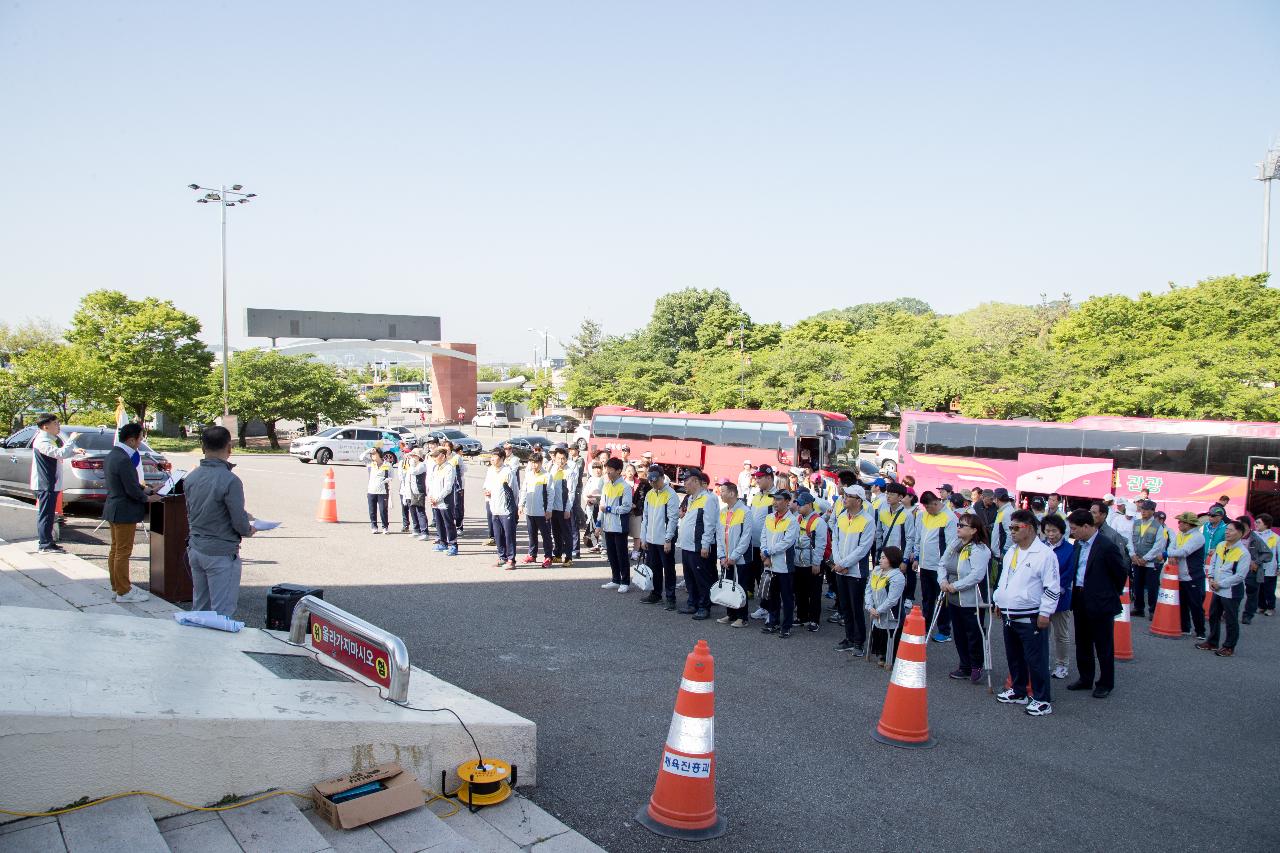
pixel 402 794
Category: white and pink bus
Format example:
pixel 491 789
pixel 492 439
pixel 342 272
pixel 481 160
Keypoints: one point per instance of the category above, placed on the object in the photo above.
pixel 1185 465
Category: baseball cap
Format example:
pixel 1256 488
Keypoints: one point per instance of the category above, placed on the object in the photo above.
pixel 763 471
pixel 692 472
pixel 948 487
pixel 1217 509
pixel 1002 494
pixel 1038 503
pixel 746 461
pixel 1189 517
pixel 656 471
pixel 879 481
pixel 725 481
pixel 782 493
pixel 1108 497
pixel 1151 505
pixel 856 492
pixel 804 497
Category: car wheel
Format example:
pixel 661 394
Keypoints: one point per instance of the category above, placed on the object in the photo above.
pixel 889 467
pixel 323 455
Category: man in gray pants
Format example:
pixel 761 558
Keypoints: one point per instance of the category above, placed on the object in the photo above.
pixel 215 511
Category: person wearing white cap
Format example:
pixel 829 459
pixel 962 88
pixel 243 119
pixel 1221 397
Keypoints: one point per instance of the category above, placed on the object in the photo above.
pixel 1121 521
pixel 852 537
pixel 744 480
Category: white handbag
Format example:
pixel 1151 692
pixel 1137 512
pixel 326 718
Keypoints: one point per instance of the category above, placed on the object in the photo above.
pixel 728 593
pixel 641 575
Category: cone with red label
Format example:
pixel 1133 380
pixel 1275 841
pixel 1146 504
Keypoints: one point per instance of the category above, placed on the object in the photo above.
pixel 1166 620
pixel 904 721
pixel 683 804
pixel 1122 633
pixel 328 509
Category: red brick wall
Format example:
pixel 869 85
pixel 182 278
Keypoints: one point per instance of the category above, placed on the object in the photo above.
pixel 453 384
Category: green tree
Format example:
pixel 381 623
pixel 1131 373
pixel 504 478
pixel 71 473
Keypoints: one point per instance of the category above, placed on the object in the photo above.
pixel 15 398
pixel 146 350
pixel 273 387
pixel 17 338
pixel 61 378
pixel 542 392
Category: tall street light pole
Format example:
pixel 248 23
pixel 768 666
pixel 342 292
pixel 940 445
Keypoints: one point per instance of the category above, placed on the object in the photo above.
pixel 1268 171
pixel 225 198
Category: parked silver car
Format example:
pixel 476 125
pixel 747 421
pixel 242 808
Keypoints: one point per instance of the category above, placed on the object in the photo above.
pixel 82 478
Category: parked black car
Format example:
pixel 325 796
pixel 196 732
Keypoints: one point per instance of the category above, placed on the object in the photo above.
pixel 556 423
pixel 465 444
pixel 524 445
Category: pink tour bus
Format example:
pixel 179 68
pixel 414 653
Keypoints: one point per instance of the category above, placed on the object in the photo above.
pixel 1184 465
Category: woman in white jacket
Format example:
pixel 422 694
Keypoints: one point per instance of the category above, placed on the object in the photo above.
pixel 963 568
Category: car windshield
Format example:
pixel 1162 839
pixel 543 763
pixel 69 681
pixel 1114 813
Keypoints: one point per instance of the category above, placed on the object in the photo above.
pixel 453 433
pixel 329 433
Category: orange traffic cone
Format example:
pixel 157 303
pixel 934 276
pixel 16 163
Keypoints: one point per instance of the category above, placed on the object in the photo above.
pixel 328 510
pixel 57 507
pixel 904 721
pixel 1122 633
pixel 1166 621
pixel 683 804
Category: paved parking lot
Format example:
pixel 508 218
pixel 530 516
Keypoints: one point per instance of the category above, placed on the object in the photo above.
pixel 1181 756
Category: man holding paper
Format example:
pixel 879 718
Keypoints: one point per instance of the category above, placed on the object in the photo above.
pixel 125 508
pixel 215 511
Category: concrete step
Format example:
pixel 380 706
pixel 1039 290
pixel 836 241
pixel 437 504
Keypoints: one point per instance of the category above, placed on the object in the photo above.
pixel 118 826
pixel 65 581
pixel 273 826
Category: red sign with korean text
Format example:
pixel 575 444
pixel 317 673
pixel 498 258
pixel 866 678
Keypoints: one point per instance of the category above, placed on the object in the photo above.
pixel 350 651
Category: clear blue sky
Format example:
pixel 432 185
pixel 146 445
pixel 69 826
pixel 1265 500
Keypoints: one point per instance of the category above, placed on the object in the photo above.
pixel 514 164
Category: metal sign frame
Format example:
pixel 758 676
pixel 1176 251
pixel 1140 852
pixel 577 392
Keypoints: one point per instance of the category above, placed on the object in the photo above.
pixel 393 646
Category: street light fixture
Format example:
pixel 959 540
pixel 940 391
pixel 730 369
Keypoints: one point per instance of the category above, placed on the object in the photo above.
pixel 225 198
pixel 1268 171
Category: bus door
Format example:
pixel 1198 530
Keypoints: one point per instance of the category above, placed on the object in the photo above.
pixel 1264 486
pixel 1069 476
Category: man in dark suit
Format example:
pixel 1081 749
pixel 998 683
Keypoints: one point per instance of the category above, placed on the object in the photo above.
pixel 126 506
pixel 1100 571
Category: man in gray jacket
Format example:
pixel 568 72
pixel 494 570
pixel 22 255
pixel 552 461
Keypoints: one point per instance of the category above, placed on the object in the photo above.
pixel 215 510
pixel 658 533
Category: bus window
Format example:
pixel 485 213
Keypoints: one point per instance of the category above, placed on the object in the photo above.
pixel 914 439
pixel 707 432
pixel 1184 454
pixel 1229 455
pixel 775 437
pixel 1000 442
pixel 1054 442
pixel 951 439
pixel 668 428
pixel 740 434
pixel 1125 448
pixel 636 429
pixel 606 426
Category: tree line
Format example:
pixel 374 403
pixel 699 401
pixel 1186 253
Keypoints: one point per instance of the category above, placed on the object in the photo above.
pixel 1202 351
pixel 147 353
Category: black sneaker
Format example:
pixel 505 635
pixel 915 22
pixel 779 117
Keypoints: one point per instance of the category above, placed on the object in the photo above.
pixel 51 549
pixel 651 598
pixel 769 629
pixel 812 626
pixel 843 646
pixel 857 651
pixel 671 605
pixel 835 619
pixel 701 614
pixel 686 611
pixel 784 635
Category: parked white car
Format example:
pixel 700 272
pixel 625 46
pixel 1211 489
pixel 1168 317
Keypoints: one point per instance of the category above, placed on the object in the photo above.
pixel 582 436
pixel 887 456
pixel 490 419
pixel 343 444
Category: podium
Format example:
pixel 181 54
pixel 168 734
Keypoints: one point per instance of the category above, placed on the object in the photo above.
pixel 170 571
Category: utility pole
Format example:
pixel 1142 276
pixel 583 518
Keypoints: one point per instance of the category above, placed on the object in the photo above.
pixel 1268 171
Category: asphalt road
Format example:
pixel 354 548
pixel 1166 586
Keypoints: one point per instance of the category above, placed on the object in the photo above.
pixel 1181 756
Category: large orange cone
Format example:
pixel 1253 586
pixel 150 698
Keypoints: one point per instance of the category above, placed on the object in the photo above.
pixel 904 721
pixel 1166 621
pixel 1122 633
pixel 683 804
pixel 328 510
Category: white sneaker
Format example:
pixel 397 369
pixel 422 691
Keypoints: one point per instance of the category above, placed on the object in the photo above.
pixel 1039 709
pixel 759 613
pixel 624 588
pixel 133 596
pixel 725 620
pixel 1008 697
pixel 375 530
pixel 680 584
pixel 609 585
pixel 1059 672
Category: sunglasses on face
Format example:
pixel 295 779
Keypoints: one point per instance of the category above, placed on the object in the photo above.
pixel 1017 527
pixel 964 524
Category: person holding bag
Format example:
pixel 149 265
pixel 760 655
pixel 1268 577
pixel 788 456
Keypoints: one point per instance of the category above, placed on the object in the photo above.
pixel 733 538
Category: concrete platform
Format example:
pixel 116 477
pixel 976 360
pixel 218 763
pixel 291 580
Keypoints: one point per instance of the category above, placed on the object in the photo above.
pixel 95 704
